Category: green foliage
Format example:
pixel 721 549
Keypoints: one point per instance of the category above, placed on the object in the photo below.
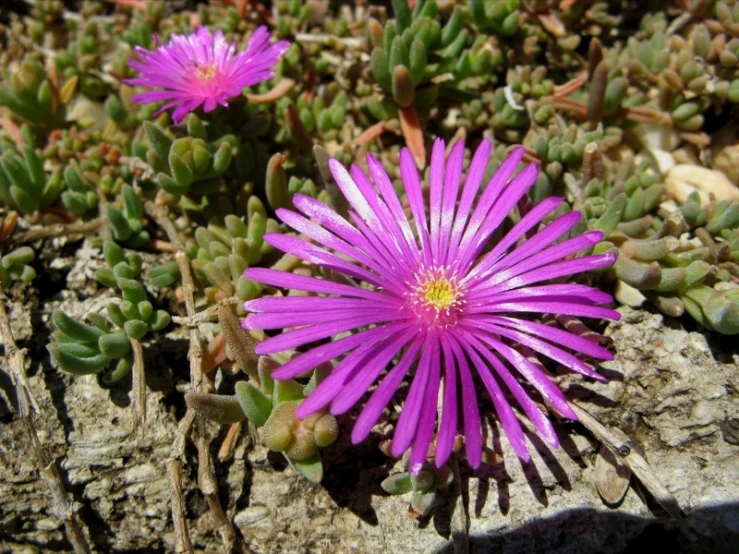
pixel 193 164
pixel 424 485
pixel 271 405
pixel 28 93
pixel 24 184
pixel 221 253
pixel 79 198
pixel 414 48
pixel 496 17
pixel 323 116
pixel 14 266
pixel 83 349
pixel 82 61
pixel 135 314
pixel 127 224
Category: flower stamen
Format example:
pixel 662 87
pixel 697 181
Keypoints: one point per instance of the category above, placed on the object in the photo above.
pixel 436 298
pixel 206 72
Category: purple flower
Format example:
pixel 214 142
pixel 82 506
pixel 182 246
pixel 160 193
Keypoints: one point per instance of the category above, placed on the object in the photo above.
pixel 202 69
pixel 435 299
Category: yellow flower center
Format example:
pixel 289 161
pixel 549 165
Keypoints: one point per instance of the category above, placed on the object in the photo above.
pixel 436 299
pixel 439 293
pixel 206 72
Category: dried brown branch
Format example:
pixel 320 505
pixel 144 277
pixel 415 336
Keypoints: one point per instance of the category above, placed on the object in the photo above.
pixel 371 133
pixel 460 520
pixel 63 507
pixel 215 354
pixel 619 443
pixel 571 105
pixel 228 444
pixel 204 316
pixel 569 87
pixel 58 230
pixel 200 383
pixel 279 90
pixel 138 398
pixel 182 542
pixel 413 134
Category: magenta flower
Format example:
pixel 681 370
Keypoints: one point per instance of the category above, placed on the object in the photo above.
pixel 435 299
pixel 202 69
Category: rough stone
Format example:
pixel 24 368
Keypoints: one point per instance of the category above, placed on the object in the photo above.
pixel 673 391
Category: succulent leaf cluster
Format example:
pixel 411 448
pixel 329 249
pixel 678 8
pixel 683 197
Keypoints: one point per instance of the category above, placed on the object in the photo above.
pixel 221 252
pixel 135 314
pixel 414 48
pixel 29 93
pixel 24 183
pixel 15 266
pixel 83 349
pixel 127 223
pixel 424 486
pixel 104 346
pixel 270 404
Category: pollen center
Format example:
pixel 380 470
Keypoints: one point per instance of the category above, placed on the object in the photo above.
pixel 436 299
pixel 439 293
pixel 206 72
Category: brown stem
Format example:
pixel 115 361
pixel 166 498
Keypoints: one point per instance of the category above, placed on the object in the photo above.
pixel 199 383
pixel 206 315
pixel 272 96
pixel 569 87
pixel 413 134
pixel 632 458
pixel 182 542
pixel 370 134
pixel 227 446
pixel 58 230
pixel 63 506
pixel 138 398
pixel 215 354
pixel 460 516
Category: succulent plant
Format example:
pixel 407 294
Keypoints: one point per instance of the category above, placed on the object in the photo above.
pixel 191 163
pixel 84 349
pixel 82 61
pixel 496 18
pixel 14 266
pixel 322 116
pixel 127 224
pixel 270 404
pixel 412 49
pixel 29 94
pixel 135 314
pixel 79 198
pixel 221 253
pixel 24 184
pixel 423 484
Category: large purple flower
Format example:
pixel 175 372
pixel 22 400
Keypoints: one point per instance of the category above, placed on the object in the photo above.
pixel 202 69
pixel 435 299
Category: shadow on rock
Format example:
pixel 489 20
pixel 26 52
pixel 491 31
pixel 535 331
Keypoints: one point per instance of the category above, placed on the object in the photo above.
pixel 710 529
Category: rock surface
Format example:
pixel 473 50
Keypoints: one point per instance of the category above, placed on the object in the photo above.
pixel 673 391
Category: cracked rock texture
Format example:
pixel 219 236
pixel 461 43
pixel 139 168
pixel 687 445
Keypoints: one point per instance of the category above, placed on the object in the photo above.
pixel 671 390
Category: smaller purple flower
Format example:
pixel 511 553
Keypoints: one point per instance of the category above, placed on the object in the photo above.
pixel 202 69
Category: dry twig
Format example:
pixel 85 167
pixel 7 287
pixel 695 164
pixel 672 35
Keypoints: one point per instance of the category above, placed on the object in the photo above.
pixel 413 134
pixel 632 458
pixel 63 507
pixel 138 398
pixel 279 90
pixel 58 230
pixel 200 383
pixel 209 314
